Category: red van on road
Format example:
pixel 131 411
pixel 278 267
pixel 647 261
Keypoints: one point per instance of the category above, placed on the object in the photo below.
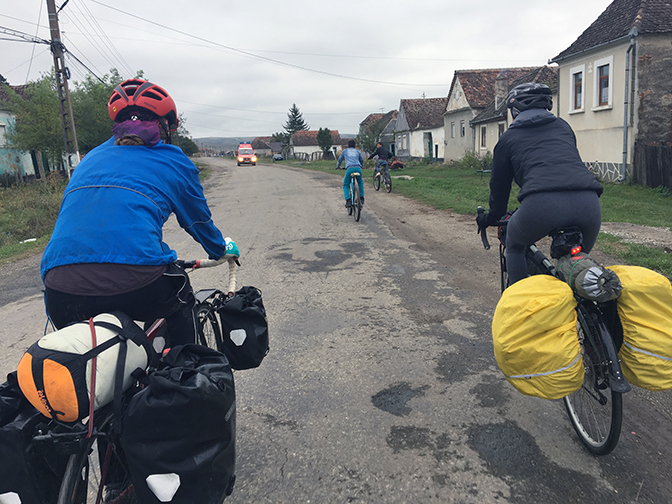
pixel 246 154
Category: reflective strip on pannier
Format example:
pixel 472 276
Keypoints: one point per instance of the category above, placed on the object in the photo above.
pixel 535 337
pixel 645 312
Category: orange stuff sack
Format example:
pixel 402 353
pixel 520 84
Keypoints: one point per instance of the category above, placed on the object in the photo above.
pixel 535 338
pixel 55 374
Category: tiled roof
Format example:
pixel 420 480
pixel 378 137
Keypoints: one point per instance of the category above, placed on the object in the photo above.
pixel 20 90
pixel 424 113
pixel 309 138
pixel 542 75
pixel 371 119
pixel 648 16
pixel 262 143
pixel 479 85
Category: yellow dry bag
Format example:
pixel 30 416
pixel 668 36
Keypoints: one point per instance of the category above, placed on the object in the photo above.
pixel 645 311
pixel 535 338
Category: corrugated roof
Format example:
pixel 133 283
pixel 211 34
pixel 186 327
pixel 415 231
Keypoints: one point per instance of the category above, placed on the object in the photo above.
pixel 424 113
pixel 621 16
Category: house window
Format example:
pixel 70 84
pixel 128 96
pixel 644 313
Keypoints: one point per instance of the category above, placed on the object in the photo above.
pixel 484 132
pixel 452 130
pixel 403 142
pixel 603 83
pixel 603 96
pixel 399 142
pixel 576 88
pixel 500 130
pixel 463 129
pixel 3 139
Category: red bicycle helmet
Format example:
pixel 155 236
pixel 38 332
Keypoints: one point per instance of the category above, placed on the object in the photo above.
pixel 140 94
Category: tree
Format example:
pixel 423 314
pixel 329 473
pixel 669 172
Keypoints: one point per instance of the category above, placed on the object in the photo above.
pixel 294 122
pixel 182 138
pixel 38 121
pixel 89 108
pixel 324 140
pixel 370 136
pixel 3 80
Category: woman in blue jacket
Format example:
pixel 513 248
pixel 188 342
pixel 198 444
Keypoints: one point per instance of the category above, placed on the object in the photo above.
pixel 107 251
pixel 539 153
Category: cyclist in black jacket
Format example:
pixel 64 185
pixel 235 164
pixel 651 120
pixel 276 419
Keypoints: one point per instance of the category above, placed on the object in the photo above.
pixel 382 153
pixel 539 153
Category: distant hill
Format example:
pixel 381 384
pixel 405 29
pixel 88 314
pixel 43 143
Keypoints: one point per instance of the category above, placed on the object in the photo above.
pixel 222 143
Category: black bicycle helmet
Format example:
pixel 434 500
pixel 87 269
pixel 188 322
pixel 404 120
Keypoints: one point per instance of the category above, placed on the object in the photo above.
pixel 530 95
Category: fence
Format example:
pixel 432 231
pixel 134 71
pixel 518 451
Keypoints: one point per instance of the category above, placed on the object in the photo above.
pixel 653 165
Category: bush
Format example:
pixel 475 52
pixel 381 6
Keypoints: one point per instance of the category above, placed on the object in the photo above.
pixel 30 211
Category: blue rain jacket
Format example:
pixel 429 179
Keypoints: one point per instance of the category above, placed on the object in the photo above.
pixel 117 201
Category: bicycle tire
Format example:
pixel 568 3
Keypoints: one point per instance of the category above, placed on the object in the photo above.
pixel 376 180
pixel 388 182
pixel 209 332
pixel 504 273
pixel 595 410
pixel 356 201
pixel 352 182
pixel 83 478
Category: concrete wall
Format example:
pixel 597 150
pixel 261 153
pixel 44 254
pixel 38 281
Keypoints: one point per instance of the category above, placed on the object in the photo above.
pixel 454 148
pixel 12 161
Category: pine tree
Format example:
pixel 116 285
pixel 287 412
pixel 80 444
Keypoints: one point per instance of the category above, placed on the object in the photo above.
pixel 295 121
pixel 324 140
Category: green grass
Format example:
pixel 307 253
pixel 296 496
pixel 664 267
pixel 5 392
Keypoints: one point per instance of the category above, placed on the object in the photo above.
pixel 460 189
pixel 639 255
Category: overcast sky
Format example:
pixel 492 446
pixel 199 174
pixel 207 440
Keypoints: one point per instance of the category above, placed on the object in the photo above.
pixel 235 67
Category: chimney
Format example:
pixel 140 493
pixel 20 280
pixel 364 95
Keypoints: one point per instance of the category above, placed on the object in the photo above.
pixel 501 89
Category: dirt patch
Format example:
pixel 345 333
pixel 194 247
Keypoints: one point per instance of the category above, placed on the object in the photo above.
pixel 658 237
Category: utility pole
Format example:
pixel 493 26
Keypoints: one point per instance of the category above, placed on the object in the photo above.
pixel 62 76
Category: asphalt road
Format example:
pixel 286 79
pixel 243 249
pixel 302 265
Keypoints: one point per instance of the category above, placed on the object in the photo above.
pixel 381 385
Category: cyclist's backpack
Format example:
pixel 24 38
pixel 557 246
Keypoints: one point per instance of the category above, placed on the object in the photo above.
pixel 179 431
pixel 30 472
pixel 244 329
pixel 645 311
pixel 55 374
pixel 535 337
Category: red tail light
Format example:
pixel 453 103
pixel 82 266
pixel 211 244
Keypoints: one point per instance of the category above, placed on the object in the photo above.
pixel 576 250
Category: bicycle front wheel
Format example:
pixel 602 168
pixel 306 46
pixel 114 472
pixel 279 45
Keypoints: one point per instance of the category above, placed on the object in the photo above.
pixel 209 332
pixel 388 182
pixel 97 472
pixel 595 410
pixel 356 201
pixel 376 180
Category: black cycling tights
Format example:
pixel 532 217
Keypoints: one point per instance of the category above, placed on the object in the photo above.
pixel 169 296
pixel 541 213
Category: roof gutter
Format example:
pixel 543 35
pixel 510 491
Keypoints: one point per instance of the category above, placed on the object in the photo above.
pixel 633 39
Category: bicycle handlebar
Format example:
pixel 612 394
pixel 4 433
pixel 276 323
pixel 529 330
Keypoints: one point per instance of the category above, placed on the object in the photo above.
pixel 481 230
pixel 210 263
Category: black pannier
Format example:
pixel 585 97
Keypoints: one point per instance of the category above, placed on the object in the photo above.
pixel 31 470
pixel 179 431
pixel 244 329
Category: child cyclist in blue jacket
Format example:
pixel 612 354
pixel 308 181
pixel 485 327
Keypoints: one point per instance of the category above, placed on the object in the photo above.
pixel 353 164
pixel 107 251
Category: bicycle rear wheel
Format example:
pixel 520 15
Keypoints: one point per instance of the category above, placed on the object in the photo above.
pixel 97 472
pixel 388 181
pixel 595 410
pixel 356 201
pixel 376 180
pixel 209 332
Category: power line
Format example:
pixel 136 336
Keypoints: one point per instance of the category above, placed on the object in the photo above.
pixel 32 53
pixel 264 58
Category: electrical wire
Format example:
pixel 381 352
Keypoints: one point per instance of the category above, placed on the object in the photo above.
pixel 32 53
pixel 264 58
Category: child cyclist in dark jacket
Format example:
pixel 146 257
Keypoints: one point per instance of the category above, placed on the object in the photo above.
pixel 539 153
